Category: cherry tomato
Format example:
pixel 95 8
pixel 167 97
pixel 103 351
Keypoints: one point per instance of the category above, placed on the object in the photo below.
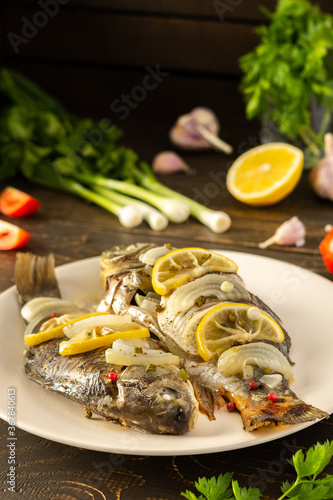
pixel 326 250
pixel 12 236
pixel 16 203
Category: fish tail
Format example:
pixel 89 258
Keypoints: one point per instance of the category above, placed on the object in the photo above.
pixel 35 277
pixel 286 410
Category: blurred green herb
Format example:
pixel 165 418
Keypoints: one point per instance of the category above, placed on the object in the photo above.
pixel 40 139
pixel 290 69
pixel 307 486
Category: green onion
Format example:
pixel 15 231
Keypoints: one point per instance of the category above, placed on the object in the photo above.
pixel 51 147
pixel 183 375
pixel 151 368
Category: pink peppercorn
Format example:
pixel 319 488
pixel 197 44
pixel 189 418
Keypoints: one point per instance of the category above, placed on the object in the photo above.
pixel 112 376
pixel 231 406
pixel 272 396
pixel 253 384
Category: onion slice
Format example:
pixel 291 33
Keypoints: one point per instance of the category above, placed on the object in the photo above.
pixel 272 380
pixel 117 323
pixel 265 356
pixel 184 297
pixel 151 256
pixel 123 353
pixel 38 305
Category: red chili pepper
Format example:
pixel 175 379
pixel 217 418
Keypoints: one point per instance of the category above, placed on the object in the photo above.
pixel 54 315
pixel 253 384
pixel 12 236
pixel 272 396
pixel 326 250
pixel 231 406
pixel 16 203
pixel 112 376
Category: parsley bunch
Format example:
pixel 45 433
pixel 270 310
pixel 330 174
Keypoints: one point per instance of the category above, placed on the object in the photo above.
pixel 290 69
pixel 307 486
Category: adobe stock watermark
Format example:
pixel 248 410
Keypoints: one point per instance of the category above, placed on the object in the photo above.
pixel 11 439
pixel 223 8
pixel 274 469
pixel 127 102
pixel 31 27
pixel 123 106
pixel 217 183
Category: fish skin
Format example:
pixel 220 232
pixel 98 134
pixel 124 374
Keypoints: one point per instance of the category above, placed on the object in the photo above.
pixel 255 408
pixel 135 399
pixel 123 274
pixel 209 384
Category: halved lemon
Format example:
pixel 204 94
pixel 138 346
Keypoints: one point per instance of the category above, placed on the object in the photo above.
pixel 89 340
pixel 234 322
pixel 265 174
pixel 185 264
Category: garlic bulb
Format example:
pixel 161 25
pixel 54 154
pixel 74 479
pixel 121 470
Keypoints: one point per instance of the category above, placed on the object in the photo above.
pixel 321 177
pixel 198 130
pixel 169 162
pixel 291 232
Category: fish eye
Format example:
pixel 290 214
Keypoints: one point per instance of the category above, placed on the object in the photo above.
pixel 168 394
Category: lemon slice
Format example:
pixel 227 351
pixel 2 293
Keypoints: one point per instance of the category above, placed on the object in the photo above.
pixel 234 322
pixel 56 332
pixel 265 174
pixel 184 265
pixel 89 340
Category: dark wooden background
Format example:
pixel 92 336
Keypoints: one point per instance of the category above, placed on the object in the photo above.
pixel 89 54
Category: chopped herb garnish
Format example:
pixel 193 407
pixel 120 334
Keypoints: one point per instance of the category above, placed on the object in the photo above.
pixel 306 486
pixel 183 374
pixel 151 368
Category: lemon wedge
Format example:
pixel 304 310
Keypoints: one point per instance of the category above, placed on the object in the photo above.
pixel 234 322
pixel 266 174
pixel 186 264
pixel 55 332
pixel 90 340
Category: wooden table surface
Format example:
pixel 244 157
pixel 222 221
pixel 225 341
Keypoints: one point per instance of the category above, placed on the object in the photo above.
pixel 73 229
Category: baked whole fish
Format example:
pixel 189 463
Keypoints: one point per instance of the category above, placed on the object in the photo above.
pixel 158 401
pixel 176 330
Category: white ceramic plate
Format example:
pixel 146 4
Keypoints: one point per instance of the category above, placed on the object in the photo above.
pixel 302 299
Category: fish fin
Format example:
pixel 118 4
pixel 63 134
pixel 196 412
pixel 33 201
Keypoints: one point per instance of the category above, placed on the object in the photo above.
pixel 288 410
pixel 218 399
pixel 35 277
pixel 205 398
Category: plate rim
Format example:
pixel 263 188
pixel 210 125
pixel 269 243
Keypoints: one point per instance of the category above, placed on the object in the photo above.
pixel 105 447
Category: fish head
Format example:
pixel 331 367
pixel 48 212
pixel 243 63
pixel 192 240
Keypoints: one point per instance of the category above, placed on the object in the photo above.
pixel 161 400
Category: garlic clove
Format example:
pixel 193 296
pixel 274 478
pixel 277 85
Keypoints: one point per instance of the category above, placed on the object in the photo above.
pixel 291 232
pixel 198 130
pixel 168 162
pixel 179 137
pixel 321 177
pixel 200 116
